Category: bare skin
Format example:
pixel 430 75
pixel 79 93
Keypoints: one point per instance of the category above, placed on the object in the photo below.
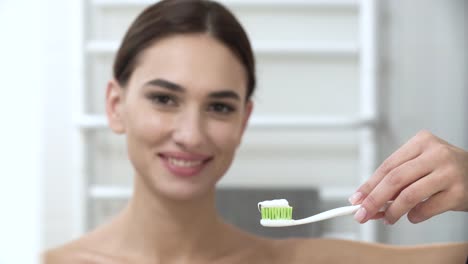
pixel 140 235
pixel 250 249
pixel 99 248
pixel 341 251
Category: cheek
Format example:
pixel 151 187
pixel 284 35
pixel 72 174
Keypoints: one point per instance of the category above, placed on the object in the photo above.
pixel 226 136
pixel 147 127
pixel 144 132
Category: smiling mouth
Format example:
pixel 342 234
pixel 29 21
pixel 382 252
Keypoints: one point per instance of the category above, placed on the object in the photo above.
pixel 184 163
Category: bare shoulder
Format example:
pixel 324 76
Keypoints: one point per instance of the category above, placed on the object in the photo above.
pixel 70 253
pixel 78 252
pixel 317 250
pixel 338 251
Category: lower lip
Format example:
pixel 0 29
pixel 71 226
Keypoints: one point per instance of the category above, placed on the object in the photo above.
pixel 183 171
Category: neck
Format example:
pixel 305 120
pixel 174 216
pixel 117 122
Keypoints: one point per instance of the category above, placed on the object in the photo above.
pixel 169 230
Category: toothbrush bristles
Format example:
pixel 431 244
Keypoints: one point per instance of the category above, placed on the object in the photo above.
pixel 276 213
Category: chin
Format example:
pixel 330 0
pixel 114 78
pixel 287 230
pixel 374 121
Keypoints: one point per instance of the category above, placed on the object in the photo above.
pixel 186 192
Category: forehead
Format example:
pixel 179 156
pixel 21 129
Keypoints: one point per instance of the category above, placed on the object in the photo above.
pixel 192 60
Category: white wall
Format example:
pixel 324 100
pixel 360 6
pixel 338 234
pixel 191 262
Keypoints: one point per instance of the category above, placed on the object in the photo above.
pixel 424 86
pixel 62 73
pixel 21 130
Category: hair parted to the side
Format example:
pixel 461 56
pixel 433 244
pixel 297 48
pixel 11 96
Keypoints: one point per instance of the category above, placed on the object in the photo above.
pixel 171 17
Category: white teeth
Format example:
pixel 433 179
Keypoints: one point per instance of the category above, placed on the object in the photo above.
pixel 184 163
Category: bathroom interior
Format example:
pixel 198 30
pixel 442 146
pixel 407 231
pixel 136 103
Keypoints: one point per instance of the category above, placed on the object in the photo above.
pixel 341 85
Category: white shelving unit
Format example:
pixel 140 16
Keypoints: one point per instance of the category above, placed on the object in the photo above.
pixel 263 122
pixel 368 58
pixel 328 49
pixel 261 3
pixel 364 122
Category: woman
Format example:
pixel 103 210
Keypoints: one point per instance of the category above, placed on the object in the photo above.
pixel 181 93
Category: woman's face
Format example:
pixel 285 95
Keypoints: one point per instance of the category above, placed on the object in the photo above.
pixel 184 112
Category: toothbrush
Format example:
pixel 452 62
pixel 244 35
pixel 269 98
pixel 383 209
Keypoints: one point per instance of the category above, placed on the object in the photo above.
pixel 278 213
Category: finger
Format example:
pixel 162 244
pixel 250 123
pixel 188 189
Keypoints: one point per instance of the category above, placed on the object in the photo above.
pixel 392 184
pixel 410 150
pixel 414 194
pixel 433 206
pixel 378 215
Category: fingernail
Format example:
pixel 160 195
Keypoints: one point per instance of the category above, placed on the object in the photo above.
pixel 386 222
pixel 355 198
pixel 416 219
pixel 360 214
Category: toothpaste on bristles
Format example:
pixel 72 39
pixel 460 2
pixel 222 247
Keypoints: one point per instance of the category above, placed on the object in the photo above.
pixel 277 209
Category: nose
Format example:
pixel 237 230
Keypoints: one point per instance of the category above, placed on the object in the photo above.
pixel 188 131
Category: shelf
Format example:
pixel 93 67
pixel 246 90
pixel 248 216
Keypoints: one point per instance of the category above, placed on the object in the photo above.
pixel 122 192
pixel 336 193
pixel 340 235
pixel 307 122
pixel 87 122
pixel 246 3
pixel 92 122
pixel 325 49
pixel 109 192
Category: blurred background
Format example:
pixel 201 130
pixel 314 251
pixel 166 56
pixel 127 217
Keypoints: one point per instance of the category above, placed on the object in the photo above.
pixel 342 84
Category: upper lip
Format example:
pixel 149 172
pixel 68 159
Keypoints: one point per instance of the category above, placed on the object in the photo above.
pixel 185 156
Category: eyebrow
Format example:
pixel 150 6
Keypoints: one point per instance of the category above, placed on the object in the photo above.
pixel 166 84
pixel 225 94
pixel 178 88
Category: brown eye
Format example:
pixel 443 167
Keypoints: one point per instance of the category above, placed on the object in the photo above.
pixel 221 108
pixel 162 99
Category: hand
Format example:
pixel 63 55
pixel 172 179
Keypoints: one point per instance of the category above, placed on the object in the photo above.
pixel 425 177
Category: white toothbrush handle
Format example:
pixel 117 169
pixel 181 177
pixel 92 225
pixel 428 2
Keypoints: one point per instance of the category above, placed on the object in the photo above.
pixel 345 210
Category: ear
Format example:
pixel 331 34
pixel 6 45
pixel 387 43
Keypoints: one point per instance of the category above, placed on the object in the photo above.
pixel 114 107
pixel 248 112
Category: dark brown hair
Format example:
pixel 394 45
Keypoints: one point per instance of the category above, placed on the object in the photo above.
pixel 171 17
